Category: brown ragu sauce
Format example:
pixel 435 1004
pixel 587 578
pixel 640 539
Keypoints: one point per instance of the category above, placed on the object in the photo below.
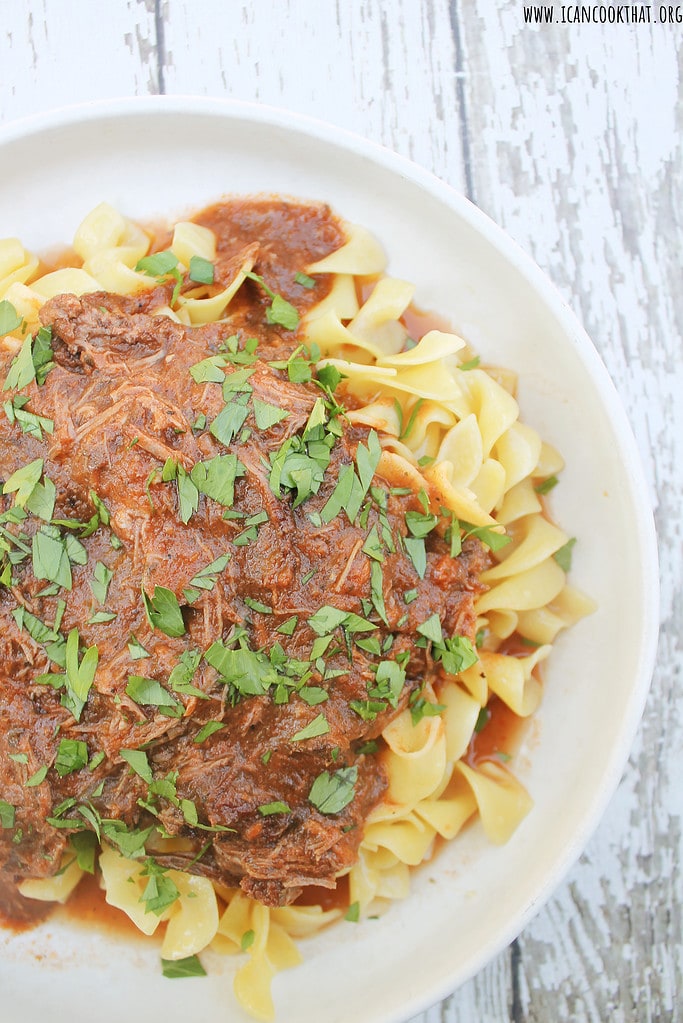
pixel 124 404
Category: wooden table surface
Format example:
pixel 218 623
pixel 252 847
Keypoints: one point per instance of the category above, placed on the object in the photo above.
pixel 569 136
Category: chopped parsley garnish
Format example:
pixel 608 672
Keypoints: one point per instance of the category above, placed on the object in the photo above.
pixel 280 311
pixel 72 755
pixel 99 584
pixel 38 778
pixel 161 891
pixel 158 264
pixel 136 649
pixel 268 809
pixel 411 421
pixel 483 719
pixel 318 726
pixel 32 362
pixel 489 536
pixel 180 679
pixel 470 364
pixel 420 524
pixel 149 692
pixel 206 578
pixel 330 793
pixel 7 814
pixel 210 370
pixel 208 729
pixel 563 556
pixel 163 611
pixel 267 415
pixel 202 271
pixel 230 419
pixel 176 969
pixel 328 618
pixel 30 423
pixel 77 678
pixel 304 280
pixel 23 482
pixel 546 485
pixel 138 762
pixel 456 654
pixel 216 477
pixel 353 913
pixel 9 317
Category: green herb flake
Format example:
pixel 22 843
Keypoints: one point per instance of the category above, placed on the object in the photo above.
pixel 420 524
pixel 216 477
pixel 22 371
pixel 417 552
pixel 330 793
pixel 470 364
pixel 38 778
pixel 210 370
pixel 546 485
pixel 10 318
pixel 431 629
pixel 563 556
pixel 268 809
pixel 138 763
pixel 318 726
pixel 287 628
pixel 163 611
pixel 72 755
pixel 421 708
pixel 50 559
pixel 488 535
pixel 304 280
pixel 313 695
pixel 7 814
pixel 23 481
pixel 158 264
pixel 99 584
pixel 84 844
pixel 202 271
pixel 353 913
pixel 483 719
pixel 247 940
pixel 136 649
pixel 180 679
pixel 208 729
pixel 149 692
pixel 267 415
pixel 79 677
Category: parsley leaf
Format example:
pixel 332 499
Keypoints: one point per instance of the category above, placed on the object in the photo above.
pixel 179 968
pixel 563 556
pixel 163 611
pixel 9 317
pixel 268 809
pixel 330 793
pixel 318 726
pixel 267 415
pixel 72 755
pixel 149 692
pixel 202 271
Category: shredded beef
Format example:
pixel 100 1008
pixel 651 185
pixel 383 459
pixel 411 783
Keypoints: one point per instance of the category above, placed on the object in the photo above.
pixel 124 405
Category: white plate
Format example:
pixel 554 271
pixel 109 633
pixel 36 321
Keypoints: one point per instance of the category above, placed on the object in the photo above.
pixel 166 156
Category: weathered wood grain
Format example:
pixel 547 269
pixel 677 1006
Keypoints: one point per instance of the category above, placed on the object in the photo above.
pixel 570 138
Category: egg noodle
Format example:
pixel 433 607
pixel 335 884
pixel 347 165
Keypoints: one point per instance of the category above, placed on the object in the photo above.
pixel 446 425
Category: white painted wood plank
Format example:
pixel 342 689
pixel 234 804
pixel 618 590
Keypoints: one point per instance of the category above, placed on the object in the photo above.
pixel 59 52
pixel 385 71
pixel 576 151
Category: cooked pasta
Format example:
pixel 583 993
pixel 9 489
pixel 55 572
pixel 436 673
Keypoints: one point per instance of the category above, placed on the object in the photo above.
pixel 448 430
